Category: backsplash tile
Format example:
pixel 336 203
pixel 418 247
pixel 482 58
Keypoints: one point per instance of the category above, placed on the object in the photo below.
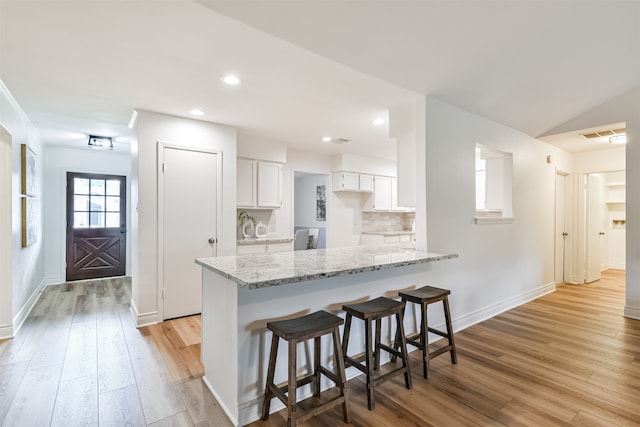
pixel 387 221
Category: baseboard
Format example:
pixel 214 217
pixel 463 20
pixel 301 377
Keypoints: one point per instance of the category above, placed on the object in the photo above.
pixel 226 410
pixel 632 312
pixel 6 332
pixel 53 280
pixel 616 266
pixel 493 310
pixel 22 315
pixel 143 319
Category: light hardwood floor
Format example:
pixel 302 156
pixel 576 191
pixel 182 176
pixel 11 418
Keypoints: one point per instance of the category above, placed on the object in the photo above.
pixel 568 358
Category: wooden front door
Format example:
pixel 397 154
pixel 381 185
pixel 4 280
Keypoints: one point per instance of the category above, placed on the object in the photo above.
pixel 96 226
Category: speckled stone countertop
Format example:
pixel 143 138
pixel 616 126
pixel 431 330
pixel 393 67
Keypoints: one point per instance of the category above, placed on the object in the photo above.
pixel 264 240
pixel 390 233
pixel 281 268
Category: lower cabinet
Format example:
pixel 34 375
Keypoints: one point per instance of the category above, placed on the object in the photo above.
pixel 263 248
pixel 379 239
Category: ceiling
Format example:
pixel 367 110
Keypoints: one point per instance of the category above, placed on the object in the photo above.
pixel 315 68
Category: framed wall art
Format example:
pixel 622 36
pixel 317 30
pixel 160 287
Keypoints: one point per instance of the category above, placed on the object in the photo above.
pixel 28 171
pixel 29 223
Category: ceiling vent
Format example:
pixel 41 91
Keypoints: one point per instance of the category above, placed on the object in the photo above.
pixel 603 133
pixel 339 140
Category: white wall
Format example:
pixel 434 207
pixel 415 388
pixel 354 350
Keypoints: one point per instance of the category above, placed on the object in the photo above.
pixel 500 265
pixel 151 128
pixel 59 161
pixel 25 264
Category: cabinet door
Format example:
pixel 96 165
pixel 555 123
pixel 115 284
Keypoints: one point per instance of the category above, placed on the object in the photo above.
pixel 246 183
pixel 279 247
pixel 382 193
pixel 394 195
pixel 269 185
pixel 345 181
pixel 366 183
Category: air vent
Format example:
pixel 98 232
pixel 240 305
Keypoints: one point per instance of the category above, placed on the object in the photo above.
pixel 604 132
pixel 339 140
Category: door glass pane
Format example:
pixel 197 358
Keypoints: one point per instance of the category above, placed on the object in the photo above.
pixel 97 204
pixel 80 203
pixel 113 219
pixel 80 219
pixel 113 188
pixel 97 219
pixel 81 186
pixel 97 186
pixel 113 204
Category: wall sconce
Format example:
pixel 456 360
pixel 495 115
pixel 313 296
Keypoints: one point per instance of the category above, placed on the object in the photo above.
pixel 101 142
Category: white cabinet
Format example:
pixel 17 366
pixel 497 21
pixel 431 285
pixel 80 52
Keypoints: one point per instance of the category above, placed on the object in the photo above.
pixel 246 183
pixel 259 184
pixel 365 183
pixel 381 193
pixel 352 181
pixel 264 248
pixel 380 239
pixel 269 185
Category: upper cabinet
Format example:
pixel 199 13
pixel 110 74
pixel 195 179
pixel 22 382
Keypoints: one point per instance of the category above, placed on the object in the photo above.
pixel 259 184
pixel 246 183
pixel 382 193
pixel 352 181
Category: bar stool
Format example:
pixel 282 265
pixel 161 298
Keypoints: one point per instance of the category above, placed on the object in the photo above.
pixel 369 311
pixel 304 328
pixel 425 296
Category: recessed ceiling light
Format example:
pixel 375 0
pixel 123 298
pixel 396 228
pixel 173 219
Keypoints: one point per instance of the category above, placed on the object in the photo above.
pixel 231 80
pixel 197 112
pixel 326 139
pixel 618 139
pixel 378 121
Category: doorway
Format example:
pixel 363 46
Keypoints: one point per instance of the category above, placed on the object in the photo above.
pixel 562 239
pixel 605 223
pixel 96 226
pixel 310 208
pixel 189 202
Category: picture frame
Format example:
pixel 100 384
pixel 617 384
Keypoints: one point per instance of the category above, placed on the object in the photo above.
pixel 29 169
pixel 29 223
pixel 321 203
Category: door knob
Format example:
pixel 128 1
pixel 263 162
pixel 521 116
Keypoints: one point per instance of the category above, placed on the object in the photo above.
pixel 212 240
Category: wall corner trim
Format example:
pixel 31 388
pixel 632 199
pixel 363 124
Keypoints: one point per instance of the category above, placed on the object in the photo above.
pixel 143 319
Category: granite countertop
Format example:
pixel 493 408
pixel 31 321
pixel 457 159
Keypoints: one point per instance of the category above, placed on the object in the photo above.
pixel 264 270
pixel 390 233
pixel 264 240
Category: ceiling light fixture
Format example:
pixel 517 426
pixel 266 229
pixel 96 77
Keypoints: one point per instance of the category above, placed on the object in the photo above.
pixel 326 139
pixel 378 121
pixel 132 121
pixel 101 142
pixel 618 139
pixel 231 80
pixel 196 112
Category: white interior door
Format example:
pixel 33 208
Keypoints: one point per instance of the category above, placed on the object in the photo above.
pixel 189 226
pixel 561 228
pixel 594 226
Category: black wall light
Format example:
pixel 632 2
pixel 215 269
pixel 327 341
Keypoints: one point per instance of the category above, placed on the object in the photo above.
pixel 102 142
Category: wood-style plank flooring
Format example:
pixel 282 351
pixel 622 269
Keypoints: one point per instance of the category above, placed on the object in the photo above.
pixel 79 361
pixel 568 358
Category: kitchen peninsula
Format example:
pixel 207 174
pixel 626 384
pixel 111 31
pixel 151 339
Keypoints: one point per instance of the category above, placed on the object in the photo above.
pixel 240 294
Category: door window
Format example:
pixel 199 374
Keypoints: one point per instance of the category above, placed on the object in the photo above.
pixel 96 203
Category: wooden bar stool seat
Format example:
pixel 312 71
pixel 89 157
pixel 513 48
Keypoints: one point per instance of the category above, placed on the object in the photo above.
pixel 423 297
pixel 369 311
pixel 312 326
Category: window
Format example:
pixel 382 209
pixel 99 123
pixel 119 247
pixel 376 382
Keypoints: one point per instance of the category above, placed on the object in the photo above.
pixel 494 174
pixel 96 203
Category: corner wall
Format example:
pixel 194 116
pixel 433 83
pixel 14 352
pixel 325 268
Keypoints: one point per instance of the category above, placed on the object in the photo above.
pixel 26 264
pixel 149 129
pixel 500 265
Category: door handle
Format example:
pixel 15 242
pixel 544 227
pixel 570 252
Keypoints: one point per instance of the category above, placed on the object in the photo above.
pixel 212 240
pixel 601 233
